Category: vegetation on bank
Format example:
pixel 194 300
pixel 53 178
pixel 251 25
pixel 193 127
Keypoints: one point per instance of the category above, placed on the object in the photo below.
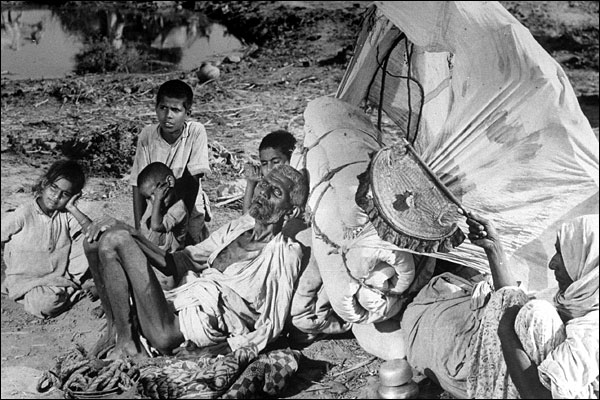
pixel 105 110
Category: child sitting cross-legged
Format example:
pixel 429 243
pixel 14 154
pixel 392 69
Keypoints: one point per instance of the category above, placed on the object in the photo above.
pixel 45 263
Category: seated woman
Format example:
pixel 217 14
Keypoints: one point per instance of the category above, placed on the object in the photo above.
pixel 497 343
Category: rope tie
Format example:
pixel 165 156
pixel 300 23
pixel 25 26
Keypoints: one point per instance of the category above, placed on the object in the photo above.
pixel 318 231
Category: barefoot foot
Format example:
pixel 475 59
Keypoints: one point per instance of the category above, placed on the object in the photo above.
pixel 106 342
pixel 126 350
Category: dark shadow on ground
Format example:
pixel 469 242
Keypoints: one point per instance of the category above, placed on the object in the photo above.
pixel 309 372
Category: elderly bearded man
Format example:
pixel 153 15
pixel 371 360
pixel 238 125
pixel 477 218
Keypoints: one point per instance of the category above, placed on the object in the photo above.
pixel 239 289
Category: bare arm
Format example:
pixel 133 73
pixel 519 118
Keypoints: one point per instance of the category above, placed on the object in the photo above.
pixel 139 206
pixel 483 234
pixel 156 220
pixel 83 219
pixel 191 185
pixel 93 229
pixel 156 256
pixel 523 371
pixel 248 194
pixel 252 178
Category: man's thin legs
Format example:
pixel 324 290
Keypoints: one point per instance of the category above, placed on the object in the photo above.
pixel 117 288
pixel 107 339
pixel 156 318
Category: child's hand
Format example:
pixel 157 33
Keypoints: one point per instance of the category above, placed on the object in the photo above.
pixel 252 173
pixel 71 204
pixel 160 192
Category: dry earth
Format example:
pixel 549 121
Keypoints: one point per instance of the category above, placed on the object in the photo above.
pixel 267 90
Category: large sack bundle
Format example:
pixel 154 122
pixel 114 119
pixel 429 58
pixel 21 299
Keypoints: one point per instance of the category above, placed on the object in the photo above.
pixel 363 275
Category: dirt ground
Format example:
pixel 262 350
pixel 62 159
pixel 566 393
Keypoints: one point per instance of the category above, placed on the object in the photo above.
pixel 300 55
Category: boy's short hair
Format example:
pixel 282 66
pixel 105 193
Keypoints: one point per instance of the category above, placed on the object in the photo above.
pixel 177 89
pixel 154 172
pixel 280 140
pixel 70 170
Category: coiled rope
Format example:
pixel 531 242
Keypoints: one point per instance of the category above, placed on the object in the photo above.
pixel 78 373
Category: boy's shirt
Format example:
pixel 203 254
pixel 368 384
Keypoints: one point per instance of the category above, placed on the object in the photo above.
pixel 189 151
pixel 176 225
pixel 37 249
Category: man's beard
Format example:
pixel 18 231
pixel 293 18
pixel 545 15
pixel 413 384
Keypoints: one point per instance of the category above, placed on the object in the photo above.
pixel 265 213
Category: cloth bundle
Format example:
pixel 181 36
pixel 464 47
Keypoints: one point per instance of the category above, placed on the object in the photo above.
pixel 237 375
pixel 362 274
pixel 205 378
pixel 269 375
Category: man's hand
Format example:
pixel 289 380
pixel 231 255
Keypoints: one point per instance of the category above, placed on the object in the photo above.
pixel 482 233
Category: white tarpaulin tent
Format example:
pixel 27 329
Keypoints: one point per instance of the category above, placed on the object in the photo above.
pixel 490 112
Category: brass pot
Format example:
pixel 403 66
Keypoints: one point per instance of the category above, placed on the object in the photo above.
pixel 407 391
pixel 395 372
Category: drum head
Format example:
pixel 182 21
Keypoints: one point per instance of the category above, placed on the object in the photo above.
pixel 408 200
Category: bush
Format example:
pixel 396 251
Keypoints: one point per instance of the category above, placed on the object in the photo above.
pixel 109 153
pixel 102 57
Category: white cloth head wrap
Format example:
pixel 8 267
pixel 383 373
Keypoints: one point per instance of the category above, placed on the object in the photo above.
pixel 579 247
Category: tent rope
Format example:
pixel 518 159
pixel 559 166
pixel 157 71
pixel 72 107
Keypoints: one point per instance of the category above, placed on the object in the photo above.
pixel 383 66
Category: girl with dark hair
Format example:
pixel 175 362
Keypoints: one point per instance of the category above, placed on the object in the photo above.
pixel 44 256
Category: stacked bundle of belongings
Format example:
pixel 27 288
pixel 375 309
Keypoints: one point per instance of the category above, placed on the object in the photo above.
pixel 478 103
pixel 242 374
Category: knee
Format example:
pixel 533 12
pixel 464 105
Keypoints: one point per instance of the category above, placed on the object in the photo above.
pixel 90 248
pixel 43 302
pixel 307 323
pixel 539 306
pixel 510 291
pixel 539 328
pixel 111 239
pixel 535 313
pixel 383 339
pixel 509 296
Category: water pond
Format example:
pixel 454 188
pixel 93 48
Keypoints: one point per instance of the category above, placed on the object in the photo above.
pixel 42 42
pixel 49 43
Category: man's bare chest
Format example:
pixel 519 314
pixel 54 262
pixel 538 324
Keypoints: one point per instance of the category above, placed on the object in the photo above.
pixel 241 249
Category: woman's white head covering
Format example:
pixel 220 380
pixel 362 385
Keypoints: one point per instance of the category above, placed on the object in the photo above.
pixel 579 248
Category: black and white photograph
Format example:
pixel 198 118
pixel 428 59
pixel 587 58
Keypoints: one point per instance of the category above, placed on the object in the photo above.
pixel 299 199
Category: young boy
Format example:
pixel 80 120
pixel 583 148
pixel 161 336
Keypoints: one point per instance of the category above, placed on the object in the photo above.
pixel 275 148
pixel 180 144
pixel 166 222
